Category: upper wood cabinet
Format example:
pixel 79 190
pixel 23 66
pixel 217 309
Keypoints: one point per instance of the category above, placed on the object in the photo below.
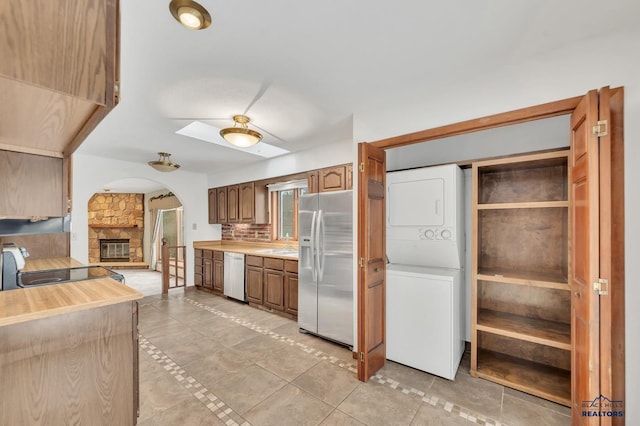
pixel 332 179
pixel 312 182
pixel 59 74
pixel 350 176
pixel 213 205
pixel 32 186
pixel 221 205
pixel 233 200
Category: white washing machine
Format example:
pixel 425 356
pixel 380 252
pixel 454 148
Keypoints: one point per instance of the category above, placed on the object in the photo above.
pixel 424 318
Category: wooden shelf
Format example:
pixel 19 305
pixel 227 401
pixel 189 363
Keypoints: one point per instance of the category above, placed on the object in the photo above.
pixel 524 205
pixel 126 225
pixel 537 379
pixel 536 279
pixel 550 333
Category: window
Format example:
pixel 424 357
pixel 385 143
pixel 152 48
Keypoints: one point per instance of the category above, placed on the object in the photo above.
pixel 284 208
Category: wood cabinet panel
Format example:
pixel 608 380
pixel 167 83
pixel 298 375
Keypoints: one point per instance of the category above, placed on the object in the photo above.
pixel 254 260
pixel 332 179
pixel 222 204
pixel 233 199
pixel 207 273
pixel 246 202
pixel 291 293
pixel 312 182
pixel 32 185
pixel 349 176
pixel 274 289
pixel 218 271
pixel 272 263
pixel 61 78
pixel 253 280
pixel 213 205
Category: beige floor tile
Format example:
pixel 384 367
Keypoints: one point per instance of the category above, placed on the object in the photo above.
pixel 429 415
pixel 407 377
pixel 159 393
pixel 244 389
pixel 212 367
pixel 517 412
pixel 480 396
pixel 338 418
pixel 538 401
pixel 288 362
pixel 232 335
pixel 190 412
pixel 328 382
pixel 289 406
pixel 260 346
pixel 379 405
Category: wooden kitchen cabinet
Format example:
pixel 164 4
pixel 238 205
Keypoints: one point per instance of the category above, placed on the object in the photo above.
pixel 233 200
pixel 218 271
pixel 222 205
pixel 207 269
pixel 247 202
pixel 291 287
pixel 274 283
pixel 521 313
pixel 213 205
pixel 253 279
pixel 332 179
pixel 350 176
pixel 198 277
pixel 59 76
pixel 312 182
pixel 32 186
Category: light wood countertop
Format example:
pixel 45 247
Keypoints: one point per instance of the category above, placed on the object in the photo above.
pixel 249 248
pixel 50 263
pixel 26 304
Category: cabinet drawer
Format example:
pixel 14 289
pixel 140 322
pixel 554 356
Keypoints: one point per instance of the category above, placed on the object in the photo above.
pixel 198 253
pixel 254 260
pixel 277 264
pixel 207 254
pixel 291 266
pixel 218 255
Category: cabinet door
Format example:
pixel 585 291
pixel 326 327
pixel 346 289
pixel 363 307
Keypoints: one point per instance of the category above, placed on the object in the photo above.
pixel 312 182
pixel 254 284
pixel 32 185
pixel 218 275
pixel 222 205
pixel 233 198
pixel 213 205
pixel 246 204
pixel 207 266
pixel 349 176
pixel 274 289
pixel 332 179
pixel 291 293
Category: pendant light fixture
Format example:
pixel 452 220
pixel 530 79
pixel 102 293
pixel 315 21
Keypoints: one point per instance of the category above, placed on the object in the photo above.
pixel 241 135
pixel 164 164
pixel 190 14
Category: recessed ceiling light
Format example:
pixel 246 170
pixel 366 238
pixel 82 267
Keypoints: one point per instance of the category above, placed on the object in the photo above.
pixel 190 14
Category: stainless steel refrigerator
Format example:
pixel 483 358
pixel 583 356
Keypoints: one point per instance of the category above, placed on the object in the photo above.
pixel 325 265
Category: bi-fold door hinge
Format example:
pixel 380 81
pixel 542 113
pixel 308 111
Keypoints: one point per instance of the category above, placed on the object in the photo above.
pixel 361 262
pixel 601 128
pixel 361 356
pixel 362 167
pixel 601 286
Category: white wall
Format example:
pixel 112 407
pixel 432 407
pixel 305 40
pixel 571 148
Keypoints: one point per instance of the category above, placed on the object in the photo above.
pixel 90 174
pixel 564 73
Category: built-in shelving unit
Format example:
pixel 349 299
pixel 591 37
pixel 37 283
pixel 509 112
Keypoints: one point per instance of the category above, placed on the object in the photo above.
pixel 521 313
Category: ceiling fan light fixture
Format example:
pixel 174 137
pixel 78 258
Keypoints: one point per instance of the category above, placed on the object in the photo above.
pixel 164 164
pixel 241 135
pixel 190 14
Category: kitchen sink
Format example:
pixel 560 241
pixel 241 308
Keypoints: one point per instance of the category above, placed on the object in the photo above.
pixel 284 252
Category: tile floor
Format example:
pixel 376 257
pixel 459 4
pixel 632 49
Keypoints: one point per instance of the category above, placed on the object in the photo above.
pixel 206 360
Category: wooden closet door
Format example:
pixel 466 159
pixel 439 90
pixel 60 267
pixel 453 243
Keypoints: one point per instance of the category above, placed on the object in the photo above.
pixel 585 253
pixel 371 255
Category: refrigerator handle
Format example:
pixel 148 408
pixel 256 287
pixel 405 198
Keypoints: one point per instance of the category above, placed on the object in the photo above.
pixel 312 247
pixel 320 245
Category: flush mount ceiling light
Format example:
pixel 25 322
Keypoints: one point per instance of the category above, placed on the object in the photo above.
pixel 164 164
pixel 240 135
pixel 190 14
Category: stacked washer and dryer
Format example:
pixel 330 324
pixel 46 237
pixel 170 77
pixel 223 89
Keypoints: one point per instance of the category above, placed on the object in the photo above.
pixel 425 252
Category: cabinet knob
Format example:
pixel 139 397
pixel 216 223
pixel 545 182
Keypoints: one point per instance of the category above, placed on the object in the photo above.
pixel 376 270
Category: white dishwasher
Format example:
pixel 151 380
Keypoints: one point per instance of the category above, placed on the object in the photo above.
pixel 234 275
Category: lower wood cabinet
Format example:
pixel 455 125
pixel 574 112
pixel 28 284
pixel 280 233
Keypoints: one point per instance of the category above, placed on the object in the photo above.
pixel 218 271
pixel 198 279
pixel 209 270
pixel 272 284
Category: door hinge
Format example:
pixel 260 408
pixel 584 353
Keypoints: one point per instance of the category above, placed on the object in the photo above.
pixel 601 286
pixel 361 356
pixel 601 128
pixel 361 167
pixel 361 262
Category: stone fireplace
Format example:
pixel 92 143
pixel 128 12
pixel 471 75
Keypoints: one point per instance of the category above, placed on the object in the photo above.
pixel 116 228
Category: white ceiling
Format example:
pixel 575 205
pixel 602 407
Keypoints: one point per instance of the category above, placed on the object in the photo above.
pixel 301 70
